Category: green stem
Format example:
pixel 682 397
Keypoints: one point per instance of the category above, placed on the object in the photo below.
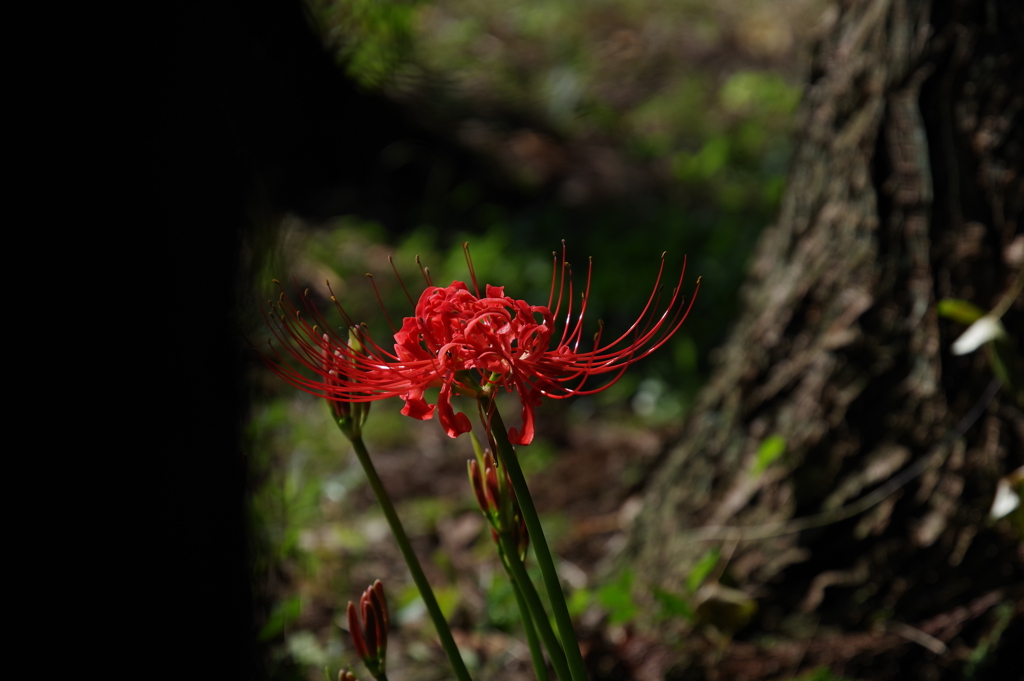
pixel 536 654
pixel 443 632
pixel 540 546
pixel 521 580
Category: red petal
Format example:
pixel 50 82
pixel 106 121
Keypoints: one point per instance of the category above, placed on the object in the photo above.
pixel 528 399
pixel 372 642
pixel 453 424
pixel 381 621
pixel 356 632
pixel 417 407
pixel 378 587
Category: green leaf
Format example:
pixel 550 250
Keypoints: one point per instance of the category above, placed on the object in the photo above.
pixel 617 599
pixel 767 452
pixel 672 605
pixel 448 598
pixel 578 602
pixel 960 310
pixel 284 614
pixel 702 569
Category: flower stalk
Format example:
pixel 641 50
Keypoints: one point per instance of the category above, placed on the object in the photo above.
pixel 433 609
pixel 531 608
pixel 536 653
pixel 549 572
pixel 497 502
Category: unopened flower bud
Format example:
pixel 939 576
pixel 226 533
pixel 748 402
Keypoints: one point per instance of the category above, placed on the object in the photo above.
pixel 371 638
pixel 491 486
pixel 522 538
pixel 476 481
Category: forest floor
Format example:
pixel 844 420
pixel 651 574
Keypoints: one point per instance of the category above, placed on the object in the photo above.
pixel 586 474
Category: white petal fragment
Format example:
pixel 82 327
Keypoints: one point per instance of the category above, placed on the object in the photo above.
pixel 1006 499
pixel 977 334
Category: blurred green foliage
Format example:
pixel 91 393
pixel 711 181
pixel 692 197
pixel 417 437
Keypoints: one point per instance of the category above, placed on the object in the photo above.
pixel 687 89
pixel 705 564
pixel 768 452
pixel 979 656
pixel 672 605
pixel 820 674
pixel 384 31
pixel 616 597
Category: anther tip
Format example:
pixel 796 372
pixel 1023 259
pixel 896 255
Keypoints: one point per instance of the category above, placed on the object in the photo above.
pixel 663 254
pixel 276 282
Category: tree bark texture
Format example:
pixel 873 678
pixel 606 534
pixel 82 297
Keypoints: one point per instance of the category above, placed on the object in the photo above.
pixel 906 188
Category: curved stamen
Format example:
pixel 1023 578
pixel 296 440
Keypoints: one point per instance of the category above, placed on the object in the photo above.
pixel 381 302
pixel 400 282
pixel 469 265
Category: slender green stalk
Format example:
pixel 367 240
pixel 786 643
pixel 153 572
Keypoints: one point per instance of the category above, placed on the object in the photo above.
pixel 443 632
pixel 536 654
pixel 540 546
pixel 521 580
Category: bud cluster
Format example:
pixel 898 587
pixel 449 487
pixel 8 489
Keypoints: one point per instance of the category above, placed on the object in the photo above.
pixel 370 639
pixel 496 499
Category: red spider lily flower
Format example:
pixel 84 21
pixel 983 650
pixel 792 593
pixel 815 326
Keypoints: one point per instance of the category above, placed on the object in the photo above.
pixel 465 342
pixel 371 639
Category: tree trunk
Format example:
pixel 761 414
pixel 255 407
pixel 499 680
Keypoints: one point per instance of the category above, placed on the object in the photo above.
pixel 906 189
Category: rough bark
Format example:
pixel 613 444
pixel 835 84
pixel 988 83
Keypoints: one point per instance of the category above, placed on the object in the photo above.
pixel 906 188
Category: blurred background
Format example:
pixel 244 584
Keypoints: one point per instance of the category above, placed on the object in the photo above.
pixel 364 130
pixel 626 128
